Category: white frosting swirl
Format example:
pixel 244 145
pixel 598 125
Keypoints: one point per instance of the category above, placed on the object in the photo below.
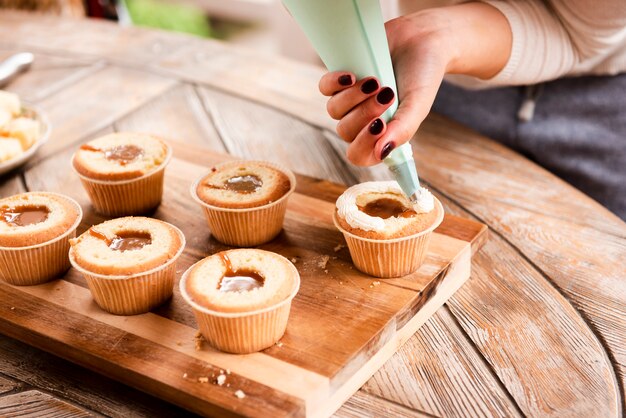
pixel 348 210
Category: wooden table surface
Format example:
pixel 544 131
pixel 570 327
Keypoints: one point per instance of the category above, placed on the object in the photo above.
pixel 538 330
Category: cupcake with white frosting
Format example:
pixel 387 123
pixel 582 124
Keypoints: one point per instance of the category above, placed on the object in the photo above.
pixel 387 234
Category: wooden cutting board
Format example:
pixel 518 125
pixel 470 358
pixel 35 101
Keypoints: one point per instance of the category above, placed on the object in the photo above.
pixel 343 326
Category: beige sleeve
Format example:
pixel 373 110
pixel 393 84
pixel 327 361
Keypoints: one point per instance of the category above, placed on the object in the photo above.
pixel 559 37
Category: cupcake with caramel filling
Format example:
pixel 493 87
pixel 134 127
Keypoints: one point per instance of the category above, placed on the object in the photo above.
pixel 129 263
pixel 123 172
pixel 35 229
pixel 244 201
pixel 387 235
pixel 241 298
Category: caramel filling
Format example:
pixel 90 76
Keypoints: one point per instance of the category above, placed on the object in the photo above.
pixel 122 154
pixel 130 241
pixel 240 184
pixel 124 241
pixel 25 215
pixel 240 280
pixel 386 208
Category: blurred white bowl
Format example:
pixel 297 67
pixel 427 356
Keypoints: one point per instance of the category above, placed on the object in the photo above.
pixel 45 129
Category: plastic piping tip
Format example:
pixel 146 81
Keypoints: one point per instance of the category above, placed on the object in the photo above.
pixel 401 163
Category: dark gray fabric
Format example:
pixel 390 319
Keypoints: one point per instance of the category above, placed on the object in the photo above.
pixel 578 130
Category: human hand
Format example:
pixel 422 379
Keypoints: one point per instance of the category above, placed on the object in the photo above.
pixel 424 47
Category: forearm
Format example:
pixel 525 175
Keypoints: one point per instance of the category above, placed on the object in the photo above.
pixel 472 38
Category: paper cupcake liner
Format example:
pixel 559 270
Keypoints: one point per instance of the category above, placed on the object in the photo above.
pixel 246 334
pixel 127 197
pixel 241 332
pixel 133 294
pixel 390 258
pixel 250 226
pixel 36 264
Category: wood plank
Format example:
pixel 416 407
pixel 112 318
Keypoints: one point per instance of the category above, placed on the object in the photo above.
pixel 78 385
pixel 363 404
pixel 132 360
pixel 253 131
pixel 47 74
pixel 8 385
pixel 10 185
pixel 95 102
pixel 438 371
pixel 534 213
pixel 177 114
pixel 35 404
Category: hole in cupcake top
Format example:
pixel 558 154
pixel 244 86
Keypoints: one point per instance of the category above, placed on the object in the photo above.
pixel 243 184
pixel 122 154
pixel 24 215
pixel 130 240
pixel 240 280
pixel 386 208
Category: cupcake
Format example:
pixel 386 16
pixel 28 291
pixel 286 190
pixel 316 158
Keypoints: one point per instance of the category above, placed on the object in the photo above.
pixel 123 172
pixel 129 263
pixel 241 298
pixel 244 201
pixel 387 235
pixel 35 229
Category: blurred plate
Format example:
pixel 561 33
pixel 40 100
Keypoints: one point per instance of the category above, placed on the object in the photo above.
pixel 45 129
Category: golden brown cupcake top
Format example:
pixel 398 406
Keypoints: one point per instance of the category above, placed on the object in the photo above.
pixel 243 184
pixel 241 280
pixel 126 246
pixel 36 217
pixel 120 156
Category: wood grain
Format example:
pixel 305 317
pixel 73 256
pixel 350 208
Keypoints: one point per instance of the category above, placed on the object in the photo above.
pixel 544 224
pixel 34 404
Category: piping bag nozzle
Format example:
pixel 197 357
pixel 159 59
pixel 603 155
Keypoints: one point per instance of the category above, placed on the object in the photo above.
pixel 401 163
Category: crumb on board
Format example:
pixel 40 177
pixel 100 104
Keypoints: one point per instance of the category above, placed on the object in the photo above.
pixel 326 271
pixel 279 344
pixel 198 340
pixel 294 260
pixel 323 260
pixel 185 375
pixel 12 308
pixel 338 247
pixel 203 379
pixel 376 282
pixel 221 379
pixel 340 282
pixel 240 394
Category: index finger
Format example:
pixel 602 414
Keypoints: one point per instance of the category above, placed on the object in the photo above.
pixel 336 81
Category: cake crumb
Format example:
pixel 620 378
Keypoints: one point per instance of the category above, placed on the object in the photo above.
pixel 240 394
pixel 221 371
pixel 321 263
pixel 326 271
pixel 227 385
pixel 340 282
pixel 203 379
pixel 221 379
pixel 12 308
pixel 185 375
pixel 336 297
pixel 376 283
pixel 294 260
pixel 338 247
pixel 227 371
pixel 198 340
pixel 279 344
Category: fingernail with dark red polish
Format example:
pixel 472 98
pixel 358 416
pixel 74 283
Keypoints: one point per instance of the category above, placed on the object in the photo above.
pixel 385 96
pixel 370 86
pixel 376 127
pixel 389 146
pixel 345 80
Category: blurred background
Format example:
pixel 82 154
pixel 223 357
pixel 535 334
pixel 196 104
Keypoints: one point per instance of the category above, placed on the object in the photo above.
pixel 263 25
